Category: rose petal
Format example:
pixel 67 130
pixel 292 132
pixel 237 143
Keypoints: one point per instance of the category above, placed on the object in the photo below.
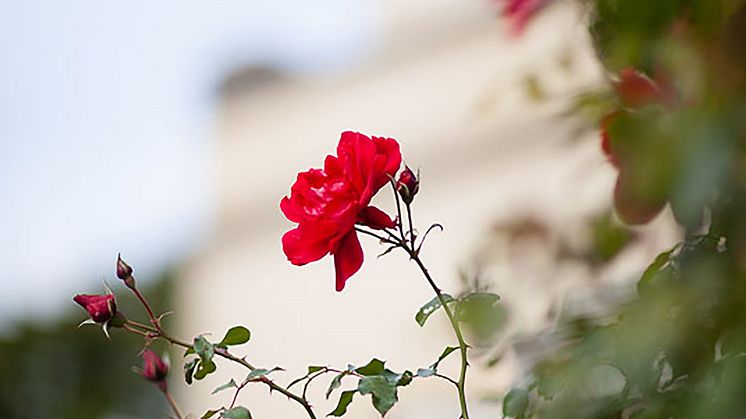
pixel 375 218
pixel 348 259
pixel 308 242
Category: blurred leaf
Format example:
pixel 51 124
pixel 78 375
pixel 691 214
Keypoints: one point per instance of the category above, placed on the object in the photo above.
pixel 481 313
pixel 429 308
pixel 236 336
pixel 515 403
pixel 344 400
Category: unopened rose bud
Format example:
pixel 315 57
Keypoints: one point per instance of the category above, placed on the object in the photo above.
pixel 154 368
pixel 124 272
pixel 408 185
pixel 100 308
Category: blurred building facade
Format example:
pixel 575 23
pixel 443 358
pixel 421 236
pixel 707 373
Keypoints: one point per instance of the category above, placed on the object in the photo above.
pixel 449 85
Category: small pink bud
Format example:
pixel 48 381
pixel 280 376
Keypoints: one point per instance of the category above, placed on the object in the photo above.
pixel 153 367
pixel 100 308
pixel 408 185
pixel 124 272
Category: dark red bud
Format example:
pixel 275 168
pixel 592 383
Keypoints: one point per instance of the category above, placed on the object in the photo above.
pixel 408 185
pixel 153 367
pixel 100 308
pixel 124 272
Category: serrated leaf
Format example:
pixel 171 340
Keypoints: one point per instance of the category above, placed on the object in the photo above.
pixel 515 403
pixel 344 400
pixel 237 335
pixel 189 369
pixel 239 412
pixel 209 414
pixel 204 369
pixel 382 390
pixel 374 367
pixel 431 307
pixel 204 349
pixel 229 384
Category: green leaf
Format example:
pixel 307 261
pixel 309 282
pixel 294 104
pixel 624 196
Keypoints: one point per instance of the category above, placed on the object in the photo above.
pixel 344 400
pixel 429 308
pixel 336 382
pixel 189 369
pixel 481 313
pixel 239 412
pixel 515 403
pixel 314 368
pixel 432 369
pixel 374 367
pixel 653 271
pixel 210 413
pixel 189 351
pixel 382 390
pixel 229 384
pixel 204 349
pixel 204 369
pixel 236 336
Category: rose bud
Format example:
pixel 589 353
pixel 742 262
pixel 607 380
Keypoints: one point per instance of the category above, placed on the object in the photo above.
pixel 124 272
pixel 408 185
pixel 154 368
pixel 100 308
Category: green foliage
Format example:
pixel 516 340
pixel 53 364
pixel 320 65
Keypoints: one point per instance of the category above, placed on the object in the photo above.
pixel 481 314
pixel 344 400
pixel 515 403
pixel 229 384
pixel 57 370
pixel 433 368
pixel 237 335
pixel 431 307
pixel 236 413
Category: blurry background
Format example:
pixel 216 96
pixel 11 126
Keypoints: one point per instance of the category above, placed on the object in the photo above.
pixel 169 132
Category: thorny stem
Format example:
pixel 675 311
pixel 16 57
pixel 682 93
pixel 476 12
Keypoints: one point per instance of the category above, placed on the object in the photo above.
pixel 150 333
pixel 413 251
pixel 461 384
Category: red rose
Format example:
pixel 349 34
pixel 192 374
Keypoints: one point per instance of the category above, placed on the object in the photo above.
pixel 100 308
pixel 327 203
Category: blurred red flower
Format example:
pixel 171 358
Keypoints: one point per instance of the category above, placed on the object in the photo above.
pixel 327 203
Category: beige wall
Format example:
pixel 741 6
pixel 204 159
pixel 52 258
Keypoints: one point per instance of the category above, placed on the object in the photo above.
pixel 447 84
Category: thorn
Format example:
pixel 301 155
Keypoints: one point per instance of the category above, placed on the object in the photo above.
pixel 85 322
pixel 106 330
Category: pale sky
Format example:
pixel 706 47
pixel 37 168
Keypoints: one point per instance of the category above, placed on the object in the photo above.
pixel 105 126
